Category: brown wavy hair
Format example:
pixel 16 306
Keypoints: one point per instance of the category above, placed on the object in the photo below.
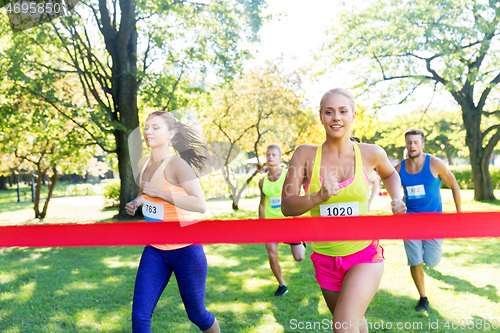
pixel 187 142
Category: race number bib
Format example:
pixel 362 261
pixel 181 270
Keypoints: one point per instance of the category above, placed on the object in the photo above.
pixel 275 202
pixel 340 209
pixel 152 210
pixel 415 192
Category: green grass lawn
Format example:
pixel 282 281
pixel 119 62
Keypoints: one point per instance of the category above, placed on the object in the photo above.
pixel 90 289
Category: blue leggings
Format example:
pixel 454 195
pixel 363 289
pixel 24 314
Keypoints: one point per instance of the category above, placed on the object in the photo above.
pixel 190 267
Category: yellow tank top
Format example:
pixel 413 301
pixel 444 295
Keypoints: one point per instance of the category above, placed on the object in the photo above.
pixel 272 191
pixel 352 200
pixel 157 210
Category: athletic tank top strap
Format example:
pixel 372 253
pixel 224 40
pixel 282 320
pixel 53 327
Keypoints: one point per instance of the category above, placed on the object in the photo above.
pixel 157 210
pixel 427 167
pixel 315 182
pixel 352 200
pixel 163 164
pixel 143 169
pixel 425 172
pixel 272 191
pixel 358 161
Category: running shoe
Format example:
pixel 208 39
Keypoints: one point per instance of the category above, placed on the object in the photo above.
pixel 282 290
pixel 422 305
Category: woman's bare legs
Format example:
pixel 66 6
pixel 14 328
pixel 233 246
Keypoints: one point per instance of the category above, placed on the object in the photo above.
pixel 348 306
pixel 214 328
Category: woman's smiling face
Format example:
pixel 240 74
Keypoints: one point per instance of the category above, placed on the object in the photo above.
pixel 337 115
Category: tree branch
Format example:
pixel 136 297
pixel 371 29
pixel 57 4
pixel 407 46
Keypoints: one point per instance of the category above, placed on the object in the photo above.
pixel 410 93
pixel 114 15
pixel 174 88
pixel 77 42
pixel 22 157
pixel 486 92
pixel 421 77
pixel 380 64
pixel 68 117
pixel 52 68
pixel 489 129
pixel 108 32
pixel 493 141
pixel 43 49
pixel 492 113
pixel 435 75
pixel 430 102
pixel 145 66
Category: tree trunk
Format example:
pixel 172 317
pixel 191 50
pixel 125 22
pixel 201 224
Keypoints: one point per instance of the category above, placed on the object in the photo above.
pixel 235 203
pixel 38 190
pixel 122 46
pixel 237 196
pixel 483 187
pixel 232 189
pixel 128 187
pixel 235 193
pixel 3 183
pixel 125 90
pixel 479 158
pixel 52 185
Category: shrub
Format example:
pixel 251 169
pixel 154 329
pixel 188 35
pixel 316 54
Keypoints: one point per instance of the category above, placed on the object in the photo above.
pixel 83 189
pixel 112 193
pixel 463 175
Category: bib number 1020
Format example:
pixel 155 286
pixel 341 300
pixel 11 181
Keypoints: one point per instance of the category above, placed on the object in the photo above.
pixel 340 209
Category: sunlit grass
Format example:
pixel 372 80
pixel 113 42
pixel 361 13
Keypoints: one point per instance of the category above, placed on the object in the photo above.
pixel 91 289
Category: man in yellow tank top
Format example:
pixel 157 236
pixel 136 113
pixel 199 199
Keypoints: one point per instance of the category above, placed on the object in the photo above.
pixel 270 208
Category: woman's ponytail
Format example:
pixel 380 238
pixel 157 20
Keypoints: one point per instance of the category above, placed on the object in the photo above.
pixel 187 142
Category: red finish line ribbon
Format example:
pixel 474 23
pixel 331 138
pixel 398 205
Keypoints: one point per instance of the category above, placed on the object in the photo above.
pixel 310 229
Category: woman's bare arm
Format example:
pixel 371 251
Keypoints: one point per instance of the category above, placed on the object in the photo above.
pixel 292 203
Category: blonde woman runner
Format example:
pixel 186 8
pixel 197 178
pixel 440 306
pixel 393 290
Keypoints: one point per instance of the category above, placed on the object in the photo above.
pixel 334 177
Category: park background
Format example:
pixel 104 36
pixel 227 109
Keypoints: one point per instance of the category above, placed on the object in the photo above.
pixel 246 74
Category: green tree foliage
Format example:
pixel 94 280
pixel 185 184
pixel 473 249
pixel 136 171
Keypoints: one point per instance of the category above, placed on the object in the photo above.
pixel 26 15
pixel 264 107
pixel 37 141
pixel 125 53
pixel 444 134
pixel 365 124
pixel 453 45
